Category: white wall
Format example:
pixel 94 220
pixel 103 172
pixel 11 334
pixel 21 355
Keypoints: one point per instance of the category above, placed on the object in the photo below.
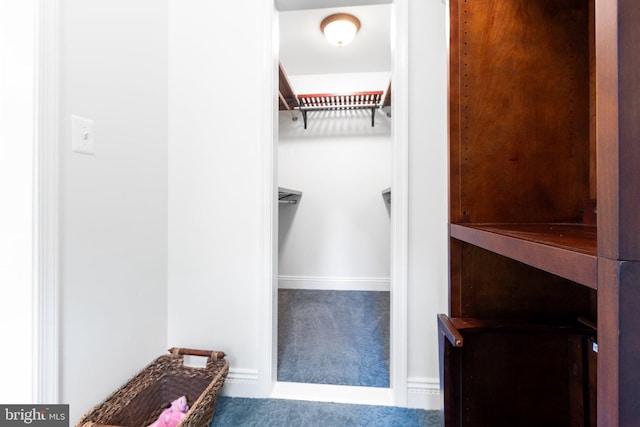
pixel 118 220
pixel 17 53
pixel 341 227
pixel 215 137
pixel 428 201
pixel 113 231
pixel 339 83
pixel 215 176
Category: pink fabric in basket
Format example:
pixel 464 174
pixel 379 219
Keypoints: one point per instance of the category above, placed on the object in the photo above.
pixel 172 416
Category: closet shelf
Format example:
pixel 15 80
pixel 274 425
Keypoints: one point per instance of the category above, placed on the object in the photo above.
pixel 566 250
pixel 386 195
pixel 371 100
pixel 287 196
pixel 289 101
pixel 286 95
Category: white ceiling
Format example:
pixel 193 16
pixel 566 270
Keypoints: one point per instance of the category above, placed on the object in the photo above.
pixel 283 5
pixel 305 51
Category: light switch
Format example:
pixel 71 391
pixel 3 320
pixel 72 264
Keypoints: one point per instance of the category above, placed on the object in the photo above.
pixel 82 139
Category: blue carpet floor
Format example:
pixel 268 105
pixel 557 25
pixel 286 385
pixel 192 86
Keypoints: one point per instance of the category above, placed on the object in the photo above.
pixel 241 412
pixel 333 337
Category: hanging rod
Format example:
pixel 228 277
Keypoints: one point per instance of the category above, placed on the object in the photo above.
pixel 334 102
pixel 287 196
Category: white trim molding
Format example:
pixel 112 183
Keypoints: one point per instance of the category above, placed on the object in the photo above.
pixel 400 205
pixel 424 393
pixel 333 393
pixel 46 225
pixel 242 376
pixel 268 246
pixel 399 210
pixel 335 283
pixel 242 383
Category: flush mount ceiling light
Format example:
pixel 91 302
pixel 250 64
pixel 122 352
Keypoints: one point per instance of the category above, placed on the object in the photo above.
pixel 340 29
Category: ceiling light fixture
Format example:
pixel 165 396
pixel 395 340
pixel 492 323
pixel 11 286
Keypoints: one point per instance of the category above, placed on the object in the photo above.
pixel 340 29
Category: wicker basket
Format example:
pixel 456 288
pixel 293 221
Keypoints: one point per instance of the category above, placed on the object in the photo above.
pixel 141 400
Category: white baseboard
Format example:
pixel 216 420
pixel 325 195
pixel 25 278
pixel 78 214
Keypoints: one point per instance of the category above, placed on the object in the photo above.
pixel 241 383
pixel 335 283
pixel 423 393
pixel 333 393
pixel 242 376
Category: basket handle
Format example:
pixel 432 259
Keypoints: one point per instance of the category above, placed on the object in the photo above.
pixel 214 355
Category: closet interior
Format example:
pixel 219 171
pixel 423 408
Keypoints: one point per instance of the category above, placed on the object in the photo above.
pixel 334 159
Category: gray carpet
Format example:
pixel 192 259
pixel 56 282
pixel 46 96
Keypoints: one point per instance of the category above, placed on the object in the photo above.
pixel 241 412
pixel 333 337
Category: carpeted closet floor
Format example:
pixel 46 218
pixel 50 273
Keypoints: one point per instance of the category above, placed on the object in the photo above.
pixel 333 337
pixel 243 412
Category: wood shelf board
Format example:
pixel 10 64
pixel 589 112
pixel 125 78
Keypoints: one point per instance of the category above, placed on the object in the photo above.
pixel 510 325
pixel 566 250
pixel 288 99
pixel 574 237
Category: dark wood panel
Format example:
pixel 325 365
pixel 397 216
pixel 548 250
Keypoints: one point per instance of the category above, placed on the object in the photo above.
pixel 497 287
pixel 573 237
pixel 565 250
pixel 607 128
pixel 618 342
pixel 515 380
pixel 386 102
pixel 448 330
pixel 455 136
pixel 576 368
pixel 629 341
pixel 593 131
pixel 288 99
pixel 608 343
pixel 521 130
pixel 592 362
pixel 618 107
pixel 455 279
pixel 465 325
pixel 629 130
pixel 492 376
pixel 450 378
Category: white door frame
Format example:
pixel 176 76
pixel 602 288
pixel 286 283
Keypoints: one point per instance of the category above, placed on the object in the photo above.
pixel 397 393
pixel 46 225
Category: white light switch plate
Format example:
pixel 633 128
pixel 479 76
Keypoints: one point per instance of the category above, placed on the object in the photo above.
pixel 82 139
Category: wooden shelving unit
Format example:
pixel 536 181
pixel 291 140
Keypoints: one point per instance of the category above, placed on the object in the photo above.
pixel 544 295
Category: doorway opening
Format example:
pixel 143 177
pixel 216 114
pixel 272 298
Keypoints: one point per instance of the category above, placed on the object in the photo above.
pixel 299 277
